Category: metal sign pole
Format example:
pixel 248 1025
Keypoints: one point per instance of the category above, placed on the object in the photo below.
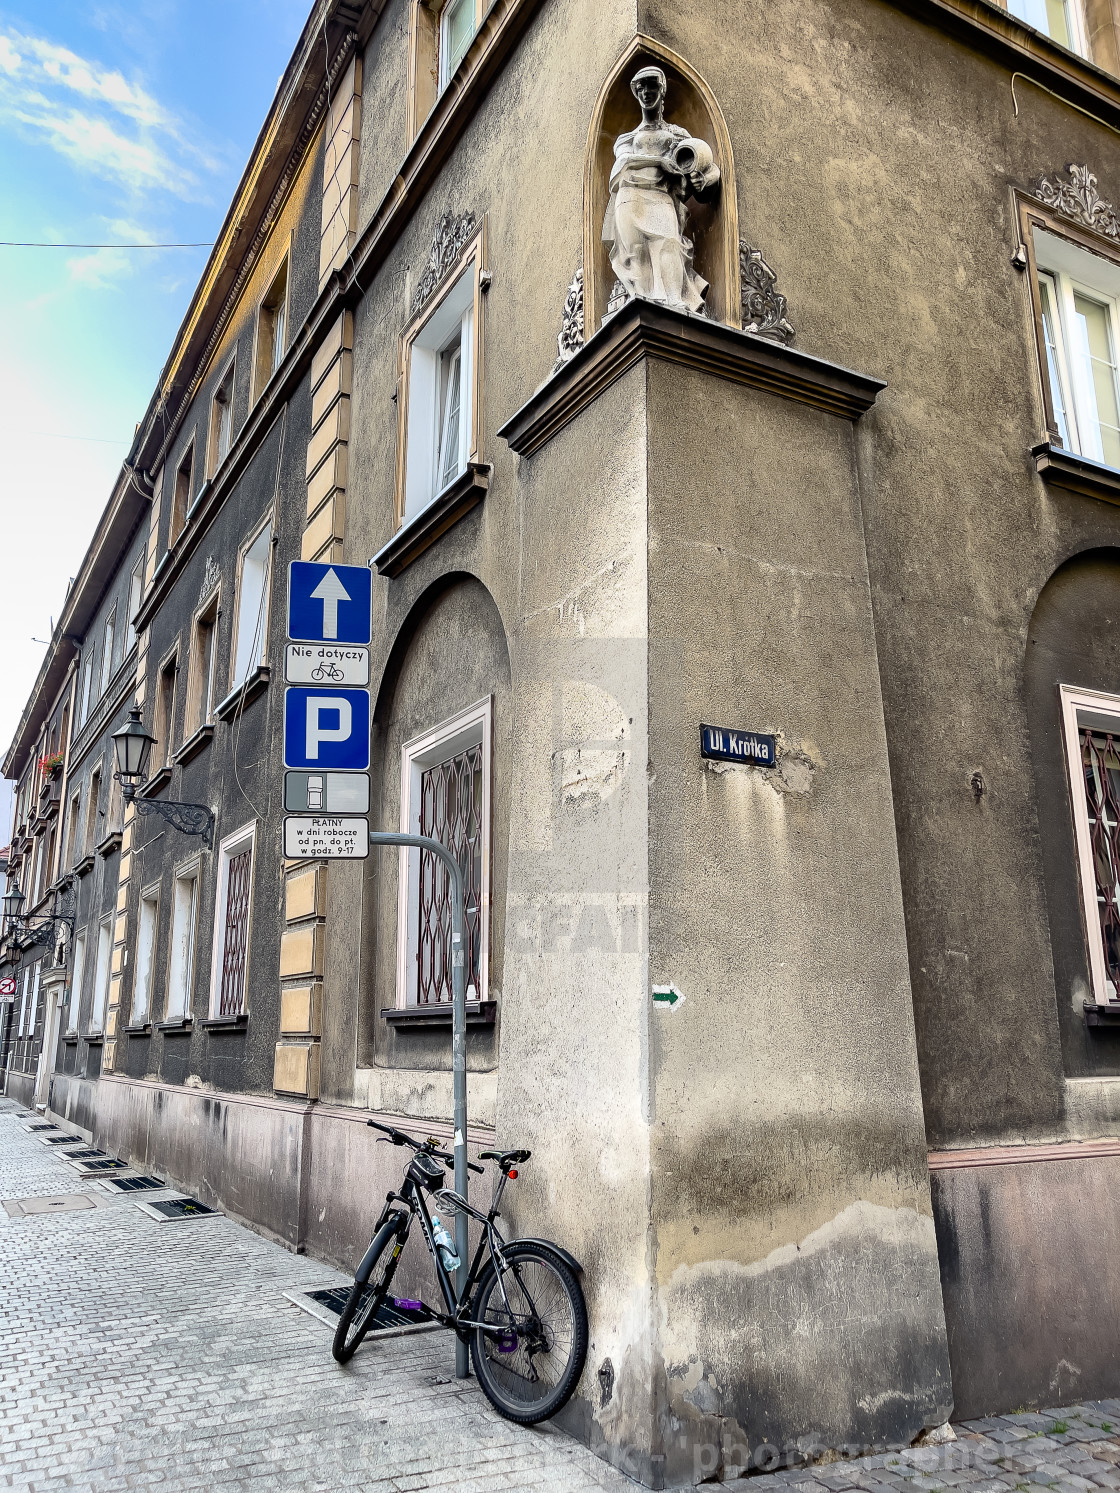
pixel 458 1048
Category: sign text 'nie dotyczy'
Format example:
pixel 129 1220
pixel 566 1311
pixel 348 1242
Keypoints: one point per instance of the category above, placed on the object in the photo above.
pixel 310 837
pixel 329 603
pixel 725 744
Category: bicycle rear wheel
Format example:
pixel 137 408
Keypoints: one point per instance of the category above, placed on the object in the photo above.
pixel 370 1288
pixel 528 1358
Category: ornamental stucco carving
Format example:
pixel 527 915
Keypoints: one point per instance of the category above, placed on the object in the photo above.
pixel 657 167
pixel 452 234
pixel 210 577
pixel 1079 199
pixel 764 307
pixel 570 340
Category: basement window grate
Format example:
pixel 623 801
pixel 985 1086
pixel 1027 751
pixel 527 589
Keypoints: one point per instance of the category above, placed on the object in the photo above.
pixel 174 1208
pixel 87 1153
pixel 62 1140
pixel 105 1164
pixel 396 1312
pixel 41 1125
pixel 133 1184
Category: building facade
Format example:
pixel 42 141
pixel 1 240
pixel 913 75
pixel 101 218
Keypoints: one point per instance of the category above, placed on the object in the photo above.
pixel 663 383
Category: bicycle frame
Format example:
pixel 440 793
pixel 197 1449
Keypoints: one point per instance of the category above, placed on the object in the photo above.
pixel 492 1243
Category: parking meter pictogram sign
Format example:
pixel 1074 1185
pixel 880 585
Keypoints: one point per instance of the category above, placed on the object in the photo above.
pixel 327 728
pixel 328 603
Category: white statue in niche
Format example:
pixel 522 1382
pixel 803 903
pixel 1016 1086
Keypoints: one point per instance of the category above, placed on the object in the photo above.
pixel 656 167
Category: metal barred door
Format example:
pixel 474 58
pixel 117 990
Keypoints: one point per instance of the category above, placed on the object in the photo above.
pixel 234 944
pixel 450 812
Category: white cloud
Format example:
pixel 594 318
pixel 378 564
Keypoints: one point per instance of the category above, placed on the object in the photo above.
pixel 101 269
pixel 95 117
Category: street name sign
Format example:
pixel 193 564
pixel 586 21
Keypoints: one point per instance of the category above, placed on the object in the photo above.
pixel 325 837
pixel 329 603
pixel 325 663
pixel 326 792
pixel 326 728
pixel 724 744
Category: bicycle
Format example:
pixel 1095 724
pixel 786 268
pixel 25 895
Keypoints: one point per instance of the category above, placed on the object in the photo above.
pixel 327 671
pixel 526 1321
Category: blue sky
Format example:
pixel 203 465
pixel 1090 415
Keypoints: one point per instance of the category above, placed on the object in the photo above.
pixel 118 123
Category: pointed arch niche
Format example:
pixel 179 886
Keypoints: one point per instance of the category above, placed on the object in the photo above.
pixel 714 229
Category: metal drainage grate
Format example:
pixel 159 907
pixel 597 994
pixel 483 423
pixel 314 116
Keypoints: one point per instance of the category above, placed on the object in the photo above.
pixel 40 1125
pixel 396 1312
pixel 132 1184
pixel 61 1140
pixel 104 1164
pixel 165 1209
pixel 87 1153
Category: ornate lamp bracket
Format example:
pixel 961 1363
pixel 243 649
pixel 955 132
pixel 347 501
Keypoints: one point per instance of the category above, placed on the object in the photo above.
pixel 189 819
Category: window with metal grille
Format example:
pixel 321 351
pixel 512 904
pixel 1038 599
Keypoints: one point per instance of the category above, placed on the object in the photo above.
pixel 450 812
pixel 235 932
pixel 445 794
pixel 1091 722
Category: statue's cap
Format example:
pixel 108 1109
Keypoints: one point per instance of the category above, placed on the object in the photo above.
pixel 648 72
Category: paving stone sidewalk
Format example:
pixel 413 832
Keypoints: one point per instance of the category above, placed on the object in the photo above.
pixel 135 1354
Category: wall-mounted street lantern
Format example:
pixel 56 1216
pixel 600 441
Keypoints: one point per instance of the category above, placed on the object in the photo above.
pixel 133 746
pixel 36 929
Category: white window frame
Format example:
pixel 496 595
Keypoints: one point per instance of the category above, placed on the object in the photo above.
pixel 87 686
pixel 102 975
pixel 466 729
pixel 202 662
pixel 179 1001
pixel 109 638
pixel 77 974
pixel 22 1022
pixel 147 939
pixel 451 318
pixel 1067 270
pixel 449 65
pixel 258 652
pixel 1078 31
pixel 35 971
pixel 135 594
pixel 1089 702
pixel 221 418
pixel 231 846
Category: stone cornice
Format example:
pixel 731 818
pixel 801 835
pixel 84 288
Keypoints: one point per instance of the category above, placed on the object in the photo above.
pixel 644 330
pixel 1080 474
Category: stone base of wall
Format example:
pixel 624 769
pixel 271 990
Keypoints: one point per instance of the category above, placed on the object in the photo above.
pixel 1027 1242
pixel 20 1087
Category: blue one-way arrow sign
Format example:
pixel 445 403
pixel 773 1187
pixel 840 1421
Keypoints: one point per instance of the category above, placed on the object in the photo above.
pixel 328 603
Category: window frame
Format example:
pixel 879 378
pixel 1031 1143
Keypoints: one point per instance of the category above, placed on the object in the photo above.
pixel 93 810
pixel 182 493
pixel 146 972
pixel 264 367
pixel 467 728
pixel 189 871
pixel 231 846
pixel 471 263
pixel 264 612
pixel 135 597
pixel 1078 399
pixel 87 684
pixel 168 664
pixel 108 643
pixel 99 1006
pixel 77 979
pixel 428 79
pixel 1072 700
pixel 215 456
pixel 1079 43
pixel 202 693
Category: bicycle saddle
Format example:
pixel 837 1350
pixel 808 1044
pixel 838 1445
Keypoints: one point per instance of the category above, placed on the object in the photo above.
pixel 505 1158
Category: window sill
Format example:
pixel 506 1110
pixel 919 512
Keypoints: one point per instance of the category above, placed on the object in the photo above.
pixel 84 866
pixel 70 1038
pixel 180 1026
pixel 1059 467
pixel 226 1023
pixel 424 528
pixel 110 843
pixel 1103 1016
pixel 244 694
pixel 95 1039
pixel 195 744
pixel 142 1029
pixel 158 781
pixel 479 1013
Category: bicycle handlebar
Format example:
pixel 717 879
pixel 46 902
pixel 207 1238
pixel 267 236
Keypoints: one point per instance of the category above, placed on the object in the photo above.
pixel 399 1138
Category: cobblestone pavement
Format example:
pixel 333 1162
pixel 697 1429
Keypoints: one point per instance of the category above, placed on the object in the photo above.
pixel 135 1354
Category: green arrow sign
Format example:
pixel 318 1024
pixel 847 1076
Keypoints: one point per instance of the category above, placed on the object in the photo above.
pixel 668 995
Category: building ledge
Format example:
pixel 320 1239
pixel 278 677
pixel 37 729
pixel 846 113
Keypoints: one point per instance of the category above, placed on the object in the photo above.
pixel 1062 468
pixel 479 1013
pixel 424 528
pixel 195 743
pixel 645 330
pixel 1103 1016
pixel 156 783
pixel 110 843
pixel 236 1023
pixel 180 1025
pixel 84 866
pixel 141 1029
pixel 244 694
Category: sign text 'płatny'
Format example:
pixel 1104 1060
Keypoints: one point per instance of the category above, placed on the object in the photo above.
pixel 325 837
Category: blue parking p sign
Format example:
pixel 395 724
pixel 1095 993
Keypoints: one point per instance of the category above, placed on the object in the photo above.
pixel 327 728
pixel 328 603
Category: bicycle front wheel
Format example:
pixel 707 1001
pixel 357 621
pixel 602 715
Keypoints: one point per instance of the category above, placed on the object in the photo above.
pixel 368 1293
pixel 528 1356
